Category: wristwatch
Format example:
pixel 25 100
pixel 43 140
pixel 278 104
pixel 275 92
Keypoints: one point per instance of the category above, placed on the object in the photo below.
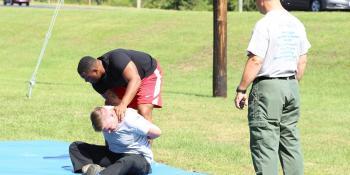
pixel 241 90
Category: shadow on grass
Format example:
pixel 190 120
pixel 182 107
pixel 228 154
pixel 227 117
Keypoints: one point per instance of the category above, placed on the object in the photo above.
pixel 38 82
pixel 56 83
pixel 79 84
pixel 188 93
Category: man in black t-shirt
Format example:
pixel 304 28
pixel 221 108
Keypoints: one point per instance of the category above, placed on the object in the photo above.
pixel 125 78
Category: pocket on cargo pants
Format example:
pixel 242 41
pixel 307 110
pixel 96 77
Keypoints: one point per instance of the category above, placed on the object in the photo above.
pixel 264 133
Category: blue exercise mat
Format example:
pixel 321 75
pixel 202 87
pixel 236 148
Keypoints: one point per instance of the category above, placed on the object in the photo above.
pixel 51 158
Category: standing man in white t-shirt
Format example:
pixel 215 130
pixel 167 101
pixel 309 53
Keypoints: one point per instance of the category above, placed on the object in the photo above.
pixel 127 149
pixel 276 63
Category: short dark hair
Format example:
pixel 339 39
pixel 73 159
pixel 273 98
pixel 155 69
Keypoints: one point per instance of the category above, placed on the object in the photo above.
pixel 85 64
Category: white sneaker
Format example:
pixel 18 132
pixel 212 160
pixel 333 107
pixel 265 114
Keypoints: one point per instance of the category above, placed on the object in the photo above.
pixel 94 169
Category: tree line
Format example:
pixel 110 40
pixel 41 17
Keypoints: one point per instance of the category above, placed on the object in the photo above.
pixel 198 5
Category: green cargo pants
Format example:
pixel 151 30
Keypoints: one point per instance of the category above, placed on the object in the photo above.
pixel 273 114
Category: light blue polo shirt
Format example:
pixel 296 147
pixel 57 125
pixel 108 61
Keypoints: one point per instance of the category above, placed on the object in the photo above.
pixel 131 136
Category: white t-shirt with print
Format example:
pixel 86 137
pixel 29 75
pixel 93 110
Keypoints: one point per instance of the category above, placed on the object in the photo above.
pixel 279 39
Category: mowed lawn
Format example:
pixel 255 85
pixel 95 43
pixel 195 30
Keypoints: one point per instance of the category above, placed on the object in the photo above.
pixel 200 133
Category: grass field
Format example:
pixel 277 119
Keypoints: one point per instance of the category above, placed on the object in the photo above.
pixel 200 133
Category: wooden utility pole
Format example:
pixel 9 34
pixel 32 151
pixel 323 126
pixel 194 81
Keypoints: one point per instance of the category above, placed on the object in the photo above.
pixel 220 51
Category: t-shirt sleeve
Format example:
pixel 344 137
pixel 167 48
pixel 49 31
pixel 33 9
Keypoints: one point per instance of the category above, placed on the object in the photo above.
pixel 304 43
pixel 137 122
pixel 118 61
pixel 259 41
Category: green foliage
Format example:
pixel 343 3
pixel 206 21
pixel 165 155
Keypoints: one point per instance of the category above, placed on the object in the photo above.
pixel 248 5
pixel 232 5
pixel 200 5
pixel 76 1
pixel 178 4
pixel 196 5
pixel 124 3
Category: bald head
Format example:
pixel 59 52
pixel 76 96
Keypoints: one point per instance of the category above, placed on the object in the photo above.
pixel 265 6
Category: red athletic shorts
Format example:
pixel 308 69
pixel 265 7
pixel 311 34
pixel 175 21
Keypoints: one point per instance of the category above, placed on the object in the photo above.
pixel 149 91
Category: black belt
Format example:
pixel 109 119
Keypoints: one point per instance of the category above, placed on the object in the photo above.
pixel 274 78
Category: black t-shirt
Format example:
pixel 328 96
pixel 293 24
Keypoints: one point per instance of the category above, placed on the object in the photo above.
pixel 114 63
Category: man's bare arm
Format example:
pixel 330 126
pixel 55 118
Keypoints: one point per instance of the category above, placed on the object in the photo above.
pixel 250 72
pixel 301 67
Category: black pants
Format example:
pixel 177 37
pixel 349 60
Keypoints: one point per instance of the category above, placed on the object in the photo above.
pixel 116 164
